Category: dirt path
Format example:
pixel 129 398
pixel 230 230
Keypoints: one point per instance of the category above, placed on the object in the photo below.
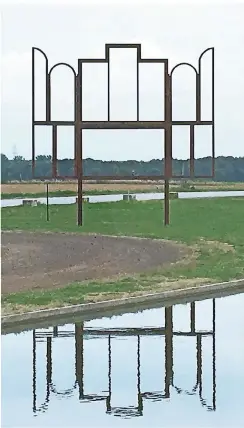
pixel 47 260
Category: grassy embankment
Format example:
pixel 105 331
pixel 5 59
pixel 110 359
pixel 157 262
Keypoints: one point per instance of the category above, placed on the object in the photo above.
pixel 34 190
pixel 213 229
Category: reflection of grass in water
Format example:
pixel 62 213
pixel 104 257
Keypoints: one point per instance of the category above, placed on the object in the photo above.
pixel 212 228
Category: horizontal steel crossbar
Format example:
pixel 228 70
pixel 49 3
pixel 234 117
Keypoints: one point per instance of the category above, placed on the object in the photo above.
pixel 129 124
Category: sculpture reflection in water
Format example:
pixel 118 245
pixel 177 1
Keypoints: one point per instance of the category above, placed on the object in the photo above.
pixel 112 333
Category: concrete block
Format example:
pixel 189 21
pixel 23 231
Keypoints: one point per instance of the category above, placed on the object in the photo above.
pixel 129 197
pixel 84 200
pixel 30 202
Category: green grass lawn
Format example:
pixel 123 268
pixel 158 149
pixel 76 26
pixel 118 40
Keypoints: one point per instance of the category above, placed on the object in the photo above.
pixel 213 228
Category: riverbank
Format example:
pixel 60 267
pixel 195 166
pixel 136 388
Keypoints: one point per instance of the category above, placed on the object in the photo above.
pixel 211 230
pixel 41 318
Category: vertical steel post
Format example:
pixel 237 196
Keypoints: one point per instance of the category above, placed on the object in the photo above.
pixel 78 144
pixel 47 201
pixel 167 142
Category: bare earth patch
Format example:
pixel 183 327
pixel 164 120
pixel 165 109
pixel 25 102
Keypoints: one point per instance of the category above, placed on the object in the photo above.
pixel 47 260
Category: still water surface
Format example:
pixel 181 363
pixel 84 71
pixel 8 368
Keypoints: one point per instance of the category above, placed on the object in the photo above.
pixel 182 366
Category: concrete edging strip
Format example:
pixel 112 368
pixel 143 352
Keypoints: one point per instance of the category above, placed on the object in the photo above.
pixel 84 308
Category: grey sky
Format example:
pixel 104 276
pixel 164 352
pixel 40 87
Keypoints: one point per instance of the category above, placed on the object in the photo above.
pixel 177 32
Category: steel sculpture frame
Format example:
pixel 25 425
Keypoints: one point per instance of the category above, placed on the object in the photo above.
pixel 166 124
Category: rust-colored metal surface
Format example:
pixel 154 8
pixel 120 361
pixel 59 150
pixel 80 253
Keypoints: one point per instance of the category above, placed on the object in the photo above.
pixel 165 124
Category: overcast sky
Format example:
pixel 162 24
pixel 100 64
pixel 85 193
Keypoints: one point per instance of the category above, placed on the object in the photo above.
pixel 177 32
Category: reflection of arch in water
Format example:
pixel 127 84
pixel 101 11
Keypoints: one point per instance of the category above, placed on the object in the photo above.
pixel 44 406
pixel 198 384
pixel 50 386
pixel 169 374
pixel 199 378
pixel 130 411
pixel 79 369
pixel 125 412
pixel 53 388
pixel 168 334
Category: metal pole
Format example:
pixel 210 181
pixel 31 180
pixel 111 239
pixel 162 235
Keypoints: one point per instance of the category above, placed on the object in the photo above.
pixel 79 201
pixel 33 114
pixel 166 202
pixel 214 356
pixel 167 141
pixel 78 143
pixel 47 204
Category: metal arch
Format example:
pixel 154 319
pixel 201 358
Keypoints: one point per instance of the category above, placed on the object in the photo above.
pixel 183 63
pixel 205 51
pixel 41 51
pixel 62 63
pixel 198 109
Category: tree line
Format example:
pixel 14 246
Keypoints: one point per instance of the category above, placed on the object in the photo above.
pixel 229 169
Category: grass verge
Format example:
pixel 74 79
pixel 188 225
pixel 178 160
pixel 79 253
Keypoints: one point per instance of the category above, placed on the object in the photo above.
pixel 212 228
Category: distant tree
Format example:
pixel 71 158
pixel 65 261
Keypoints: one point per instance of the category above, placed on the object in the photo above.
pixel 226 168
pixel 5 167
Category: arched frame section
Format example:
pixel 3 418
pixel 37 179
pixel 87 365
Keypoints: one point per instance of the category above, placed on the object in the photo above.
pixel 212 100
pixel 63 64
pixel 34 98
pixel 187 64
